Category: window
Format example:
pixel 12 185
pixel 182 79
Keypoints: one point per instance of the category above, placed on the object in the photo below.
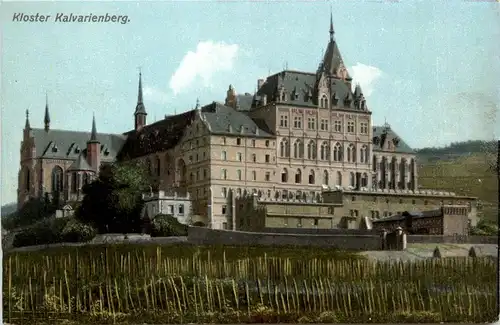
pixel 315 222
pixel 297 122
pixel 224 225
pixel 311 150
pixel 170 209
pixel 181 209
pixel 364 180
pixel 412 201
pixel 253 143
pixel 284 176
pixel 224 192
pixel 298 176
pixel 238 174
pixel 268 176
pixel 325 151
pixel 311 123
pixel 363 157
pixel 223 155
pixel 426 202
pixel 284 121
pixel 337 152
pixel 224 208
pixel 299 224
pixel 350 127
pixel 224 140
pixel 254 157
pixel 352 179
pixel 324 125
pixel 351 153
pixel 337 126
pixel 238 192
pixel 339 179
pixel 57 179
pixel 284 148
pixel 254 175
pixel 363 128
pixel 239 157
pixel 267 143
pixel 238 141
pixel 298 149
pixel 311 177
pixel 204 173
pixel 324 102
pixel 325 177
pixel 267 158
pixel 223 174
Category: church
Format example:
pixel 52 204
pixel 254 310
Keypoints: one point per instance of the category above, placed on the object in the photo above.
pixel 299 134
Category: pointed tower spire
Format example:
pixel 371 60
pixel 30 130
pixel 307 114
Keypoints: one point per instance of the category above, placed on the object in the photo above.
pixel 140 110
pixel 27 125
pixel 46 119
pixel 331 24
pixel 93 134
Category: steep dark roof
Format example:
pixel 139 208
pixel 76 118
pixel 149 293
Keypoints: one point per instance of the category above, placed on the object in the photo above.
pixel 414 215
pixel 222 119
pixel 390 135
pixel 80 164
pixel 64 144
pixel 245 102
pixel 159 136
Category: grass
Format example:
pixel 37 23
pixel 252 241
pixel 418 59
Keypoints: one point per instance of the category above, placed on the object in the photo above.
pixel 179 284
pixel 467 175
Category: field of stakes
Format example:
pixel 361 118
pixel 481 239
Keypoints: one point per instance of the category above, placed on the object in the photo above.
pixel 189 284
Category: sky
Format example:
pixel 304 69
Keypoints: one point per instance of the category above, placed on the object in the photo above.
pixel 431 69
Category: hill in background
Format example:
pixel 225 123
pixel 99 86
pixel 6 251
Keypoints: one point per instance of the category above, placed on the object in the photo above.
pixel 466 168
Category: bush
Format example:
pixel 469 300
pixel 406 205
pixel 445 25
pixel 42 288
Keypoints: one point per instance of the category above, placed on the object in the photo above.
pixel 47 231
pixel 76 231
pixel 166 226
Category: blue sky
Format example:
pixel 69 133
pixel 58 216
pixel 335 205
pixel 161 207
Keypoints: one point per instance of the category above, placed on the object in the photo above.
pixel 430 68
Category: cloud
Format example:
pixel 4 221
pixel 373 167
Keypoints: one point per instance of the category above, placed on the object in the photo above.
pixel 208 59
pixel 366 76
pixel 156 95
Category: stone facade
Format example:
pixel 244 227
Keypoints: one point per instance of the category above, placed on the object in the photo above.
pixel 298 134
pixel 178 206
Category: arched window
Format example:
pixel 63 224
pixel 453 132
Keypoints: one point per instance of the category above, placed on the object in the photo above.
pixel 374 163
pixel 158 166
pixel 364 180
pixel 223 174
pixel 298 176
pixel 363 157
pixel 311 150
pixel 311 177
pixel 339 179
pixel 27 178
pixel 325 151
pixel 284 175
pixel 284 148
pixel 325 177
pixel 223 155
pixel 324 102
pixel 337 152
pixel 298 149
pixel 85 179
pixel 351 153
pixel 352 179
pixel 74 182
pixel 238 174
pixel 57 179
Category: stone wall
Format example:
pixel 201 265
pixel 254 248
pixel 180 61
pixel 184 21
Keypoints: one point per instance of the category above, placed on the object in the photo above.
pixel 205 236
pixel 319 231
pixel 431 239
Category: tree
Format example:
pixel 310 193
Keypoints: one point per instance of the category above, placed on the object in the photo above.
pixel 32 211
pixel 113 202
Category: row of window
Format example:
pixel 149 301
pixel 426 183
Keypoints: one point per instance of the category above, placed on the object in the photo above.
pixel 325 179
pixel 239 177
pixel 239 157
pixel 324 153
pixel 239 142
pixel 323 124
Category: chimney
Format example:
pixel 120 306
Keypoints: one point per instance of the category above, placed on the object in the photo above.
pixel 260 82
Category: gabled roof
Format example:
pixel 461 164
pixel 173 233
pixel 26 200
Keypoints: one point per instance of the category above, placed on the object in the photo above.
pixel 382 134
pixel 80 164
pixel 64 144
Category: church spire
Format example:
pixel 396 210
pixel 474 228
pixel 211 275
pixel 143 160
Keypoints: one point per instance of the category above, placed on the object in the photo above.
pixel 46 119
pixel 93 134
pixel 331 25
pixel 140 110
pixel 27 125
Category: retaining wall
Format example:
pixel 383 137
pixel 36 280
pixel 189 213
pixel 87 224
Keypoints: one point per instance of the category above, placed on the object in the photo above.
pixel 321 231
pixel 437 239
pixel 205 236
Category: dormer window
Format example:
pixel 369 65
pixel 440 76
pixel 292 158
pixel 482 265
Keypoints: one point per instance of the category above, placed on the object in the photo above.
pixel 54 148
pixel 324 102
pixel 77 150
pixel 106 152
pixel 376 141
pixel 102 147
pixel 335 100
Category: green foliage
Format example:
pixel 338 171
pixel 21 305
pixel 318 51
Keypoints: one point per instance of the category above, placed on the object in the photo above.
pixel 46 231
pixel 32 211
pixel 76 231
pixel 485 228
pixel 166 225
pixel 113 202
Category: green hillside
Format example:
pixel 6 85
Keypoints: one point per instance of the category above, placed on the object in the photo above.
pixel 464 172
